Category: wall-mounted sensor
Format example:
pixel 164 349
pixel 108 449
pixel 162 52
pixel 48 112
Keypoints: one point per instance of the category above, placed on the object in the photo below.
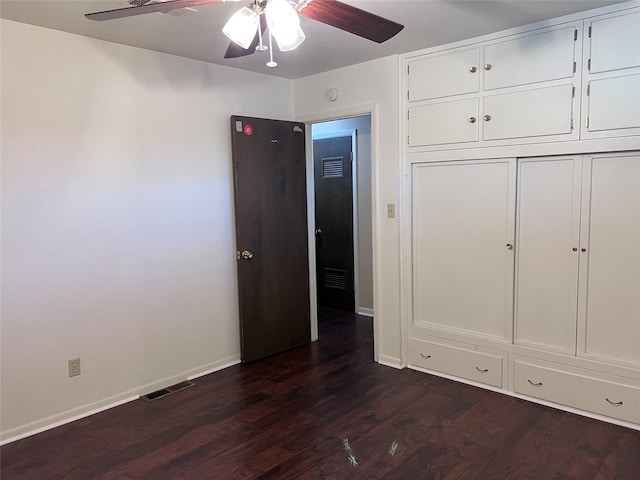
pixel 332 94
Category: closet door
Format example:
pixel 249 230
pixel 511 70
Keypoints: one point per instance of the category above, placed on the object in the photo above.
pixel 609 307
pixel 547 253
pixel 463 227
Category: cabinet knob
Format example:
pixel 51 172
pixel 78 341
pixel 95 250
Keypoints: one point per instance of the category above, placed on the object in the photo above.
pixel 575 249
pixel 487 66
pixel 472 119
pixel 509 246
pixel 583 250
pixel 473 69
pixel 487 118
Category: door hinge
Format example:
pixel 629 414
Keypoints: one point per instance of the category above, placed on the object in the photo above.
pixel 589 64
pixel 573 92
pixel 408 69
pixel 408 95
pixel 574 67
pixel 587 122
pixel 408 114
pixel 588 90
pixel 408 143
pixel 351 156
pixel 572 124
pixel 589 31
pixel 575 35
pixel 237 254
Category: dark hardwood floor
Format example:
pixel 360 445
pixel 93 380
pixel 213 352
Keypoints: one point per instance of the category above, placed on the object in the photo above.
pixel 287 416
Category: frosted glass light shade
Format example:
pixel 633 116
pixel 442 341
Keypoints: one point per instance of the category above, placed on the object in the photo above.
pixel 284 24
pixel 242 27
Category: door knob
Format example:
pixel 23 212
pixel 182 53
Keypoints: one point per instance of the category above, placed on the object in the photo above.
pixel 247 255
pixel 509 246
pixel 318 231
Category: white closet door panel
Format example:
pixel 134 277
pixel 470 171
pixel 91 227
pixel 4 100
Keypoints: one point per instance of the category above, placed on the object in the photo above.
pixel 444 74
pixel 529 59
pixel 463 218
pixel 446 122
pixel 546 265
pixel 614 103
pixel 529 113
pixel 615 43
pixel 610 267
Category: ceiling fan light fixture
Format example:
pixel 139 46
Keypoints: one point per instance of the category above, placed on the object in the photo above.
pixel 241 28
pixel 284 24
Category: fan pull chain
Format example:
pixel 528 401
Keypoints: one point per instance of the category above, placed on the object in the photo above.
pixel 271 63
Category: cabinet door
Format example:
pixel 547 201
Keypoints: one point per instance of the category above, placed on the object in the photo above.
pixel 529 113
pixel 463 226
pixel 444 74
pixel 532 58
pixel 444 122
pixel 615 43
pixel 609 306
pixel 548 229
pixel 614 104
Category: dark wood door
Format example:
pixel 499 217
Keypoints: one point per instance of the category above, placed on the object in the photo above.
pixel 271 235
pixel 333 174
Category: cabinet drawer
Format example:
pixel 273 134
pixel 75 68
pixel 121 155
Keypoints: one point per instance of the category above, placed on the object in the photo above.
pixel 445 122
pixel 444 74
pixel 584 392
pixel 469 364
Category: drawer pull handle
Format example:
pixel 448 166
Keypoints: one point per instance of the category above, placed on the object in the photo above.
pixel 425 356
pixel 482 370
pixel 539 384
pixel 615 404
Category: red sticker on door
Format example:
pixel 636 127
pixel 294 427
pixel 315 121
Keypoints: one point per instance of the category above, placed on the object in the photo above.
pixel 248 130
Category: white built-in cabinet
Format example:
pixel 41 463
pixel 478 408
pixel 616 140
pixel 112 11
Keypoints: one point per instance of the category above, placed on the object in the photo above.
pixel 611 84
pixel 524 269
pixel 491 92
pixel 575 80
pixel 521 234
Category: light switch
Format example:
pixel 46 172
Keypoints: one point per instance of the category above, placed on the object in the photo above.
pixel 391 210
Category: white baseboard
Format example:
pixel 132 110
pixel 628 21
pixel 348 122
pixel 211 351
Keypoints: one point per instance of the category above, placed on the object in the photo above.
pixel 367 312
pixel 89 409
pixel 390 361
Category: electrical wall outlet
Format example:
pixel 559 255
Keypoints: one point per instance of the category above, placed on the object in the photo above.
pixel 74 367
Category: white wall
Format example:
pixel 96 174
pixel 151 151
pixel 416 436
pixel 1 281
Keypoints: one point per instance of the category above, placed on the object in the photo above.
pixel 362 125
pixel 117 220
pixel 375 82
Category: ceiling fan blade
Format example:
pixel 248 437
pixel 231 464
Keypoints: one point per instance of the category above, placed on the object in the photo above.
pixel 234 50
pixel 350 19
pixel 162 7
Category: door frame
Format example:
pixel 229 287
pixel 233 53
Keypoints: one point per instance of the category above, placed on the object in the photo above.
pixel 354 206
pixel 327 116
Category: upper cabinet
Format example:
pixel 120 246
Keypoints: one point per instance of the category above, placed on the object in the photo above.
pixel 531 58
pixel 445 74
pixel 611 84
pixel 577 80
pixel 517 87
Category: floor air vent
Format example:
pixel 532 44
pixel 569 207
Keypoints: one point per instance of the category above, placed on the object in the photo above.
pixel 163 392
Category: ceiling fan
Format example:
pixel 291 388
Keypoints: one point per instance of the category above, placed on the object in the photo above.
pixel 279 18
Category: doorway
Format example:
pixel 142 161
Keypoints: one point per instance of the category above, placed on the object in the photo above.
pixel 353 194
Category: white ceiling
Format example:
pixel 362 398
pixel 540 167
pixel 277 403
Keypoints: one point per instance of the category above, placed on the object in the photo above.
pixel 427 23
